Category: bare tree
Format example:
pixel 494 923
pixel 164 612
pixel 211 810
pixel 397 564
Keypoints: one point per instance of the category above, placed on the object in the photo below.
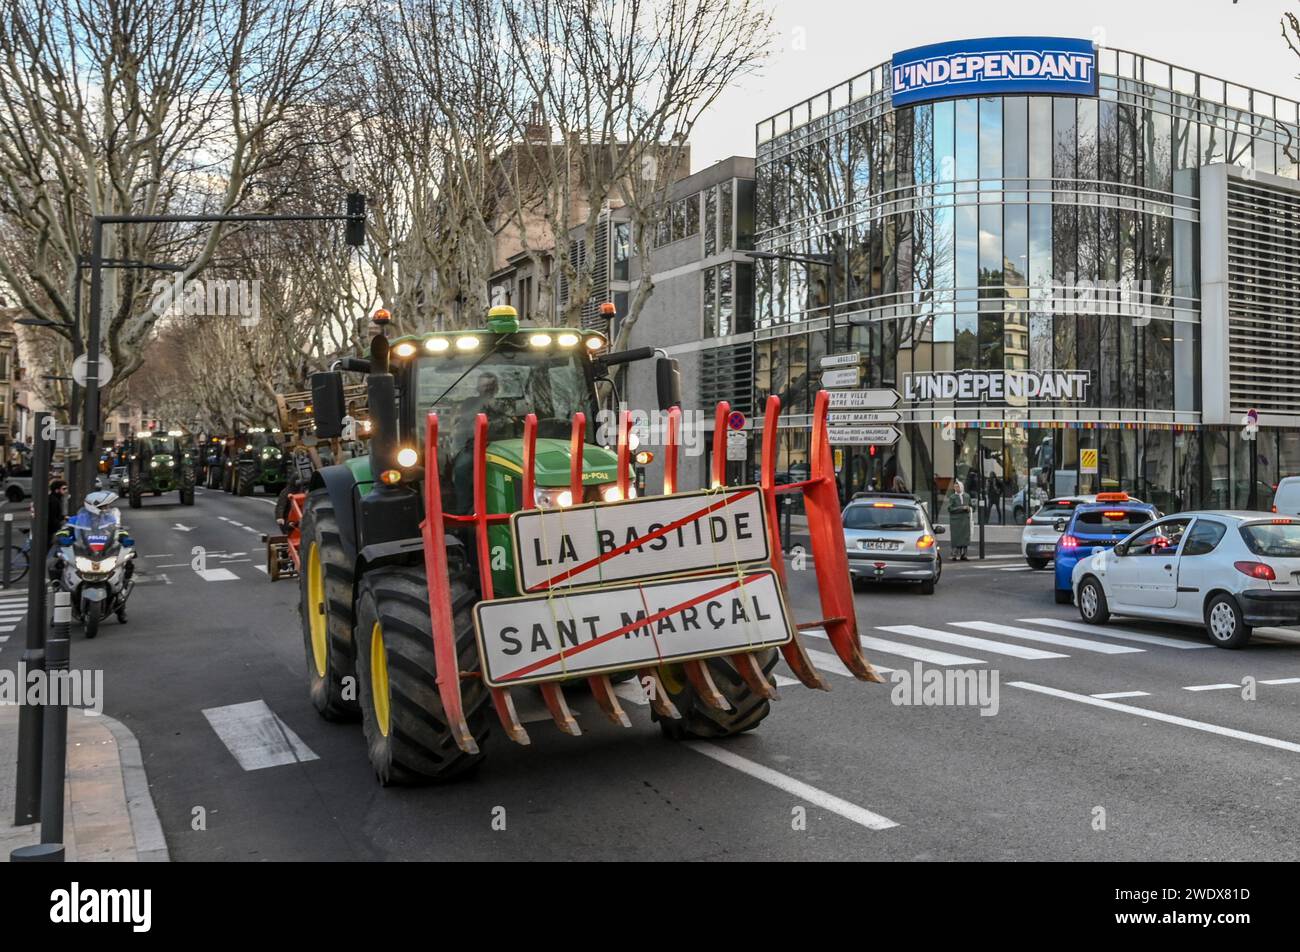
pixel 140 107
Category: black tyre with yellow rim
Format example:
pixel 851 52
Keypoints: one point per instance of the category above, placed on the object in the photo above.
pixel 700 719
pixel 406 731
pixel 325 609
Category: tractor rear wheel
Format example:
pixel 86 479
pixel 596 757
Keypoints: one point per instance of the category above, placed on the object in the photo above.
pixel 245 477
pixel 401 711
pixel 700 719
pixel 325 609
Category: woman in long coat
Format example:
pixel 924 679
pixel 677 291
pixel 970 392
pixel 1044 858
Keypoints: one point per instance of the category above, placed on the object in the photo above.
pixel 959 520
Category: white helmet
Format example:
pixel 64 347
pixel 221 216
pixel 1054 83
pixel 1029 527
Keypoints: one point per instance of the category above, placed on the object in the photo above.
pixel 97 502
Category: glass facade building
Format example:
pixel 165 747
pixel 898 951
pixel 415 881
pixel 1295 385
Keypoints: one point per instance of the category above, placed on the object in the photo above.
pixel 1021 234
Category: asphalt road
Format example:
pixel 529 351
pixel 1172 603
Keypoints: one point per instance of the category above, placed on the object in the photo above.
pixel 1171 773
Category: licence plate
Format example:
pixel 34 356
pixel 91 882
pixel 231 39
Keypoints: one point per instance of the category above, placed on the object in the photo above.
pixel 880 545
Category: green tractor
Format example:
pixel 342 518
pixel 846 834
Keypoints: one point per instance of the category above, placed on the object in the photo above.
pixel 256 458
pixel 161 463
pixel 365 602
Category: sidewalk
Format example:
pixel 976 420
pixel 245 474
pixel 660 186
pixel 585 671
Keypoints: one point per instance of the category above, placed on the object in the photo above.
pixel 108 811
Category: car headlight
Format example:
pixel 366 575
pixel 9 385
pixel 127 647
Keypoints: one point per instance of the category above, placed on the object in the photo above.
pixel 552 497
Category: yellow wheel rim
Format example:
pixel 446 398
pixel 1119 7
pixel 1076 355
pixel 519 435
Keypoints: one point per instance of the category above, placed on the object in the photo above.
pixel 316 608
pixel 673 677
pixel 379 679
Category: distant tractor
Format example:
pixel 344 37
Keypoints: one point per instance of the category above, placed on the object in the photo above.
pixel 255 458
pixel 410 555
pixel 161 463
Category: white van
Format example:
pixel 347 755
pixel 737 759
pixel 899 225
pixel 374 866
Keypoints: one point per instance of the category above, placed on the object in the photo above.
pixel 1286 498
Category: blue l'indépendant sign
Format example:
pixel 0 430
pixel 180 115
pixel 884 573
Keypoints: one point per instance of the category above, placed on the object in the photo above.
pixel 1002 65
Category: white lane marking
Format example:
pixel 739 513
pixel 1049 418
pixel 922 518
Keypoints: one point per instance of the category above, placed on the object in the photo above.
pixel 256 737
pixel 229 561
pixel 183 528
pixel 1161 716
pixel 263 568
pixel 914 652
pixel 217 575
pixel 251 529
pixel 833 665
pixel 4 638
pixel 1282 681
pixel 1211 687
pixel 797 788
pixel 782 681
pixel 965 641
pixel 16 600
pixel 1015 568
pixel 1118 694
pixel 1064 641
pixel 1125 634
pixel 172 565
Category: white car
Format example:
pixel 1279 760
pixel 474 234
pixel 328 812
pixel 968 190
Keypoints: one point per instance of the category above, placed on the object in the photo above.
pixel 1225 571
pixel 1038 540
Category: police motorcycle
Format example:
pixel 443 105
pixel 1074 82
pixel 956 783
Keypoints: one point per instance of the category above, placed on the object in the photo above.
pixel 94 561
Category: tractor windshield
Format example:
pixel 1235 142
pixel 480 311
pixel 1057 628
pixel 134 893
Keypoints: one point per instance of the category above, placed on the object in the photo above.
pixel 165 445
pixel 507 386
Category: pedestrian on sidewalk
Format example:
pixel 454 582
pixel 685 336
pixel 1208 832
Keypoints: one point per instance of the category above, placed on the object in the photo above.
pixel 959 519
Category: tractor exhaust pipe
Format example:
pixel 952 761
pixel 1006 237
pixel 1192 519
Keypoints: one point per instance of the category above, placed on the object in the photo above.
pixel 382 400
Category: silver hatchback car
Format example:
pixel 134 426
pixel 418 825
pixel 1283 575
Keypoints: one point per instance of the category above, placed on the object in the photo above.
pixel 889 538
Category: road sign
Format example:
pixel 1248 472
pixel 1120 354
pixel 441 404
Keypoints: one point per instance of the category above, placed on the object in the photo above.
pixel 641 538
pixel 864 399
pixel 548 636
pixel 842 360
pixel 1087 461
pixel 864 435
pixel 67 438
pixel 81 364
pixel 736 420
pixel 737 446
pixel 861 417
pixel 845 377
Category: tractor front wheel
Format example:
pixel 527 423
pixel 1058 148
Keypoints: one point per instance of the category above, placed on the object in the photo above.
pixel 325 609
pixel 401 711
pixel 700 719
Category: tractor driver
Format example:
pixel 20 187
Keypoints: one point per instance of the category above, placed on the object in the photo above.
pixel 500 426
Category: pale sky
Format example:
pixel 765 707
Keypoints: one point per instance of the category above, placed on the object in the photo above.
pixel 821 43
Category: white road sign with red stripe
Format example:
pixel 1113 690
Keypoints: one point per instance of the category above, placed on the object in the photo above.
pixel 598 544
pixel 633 625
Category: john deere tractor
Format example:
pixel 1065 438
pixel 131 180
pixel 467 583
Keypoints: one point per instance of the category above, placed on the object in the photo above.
pixel 365 601
pixel 161 463
pixel 255 458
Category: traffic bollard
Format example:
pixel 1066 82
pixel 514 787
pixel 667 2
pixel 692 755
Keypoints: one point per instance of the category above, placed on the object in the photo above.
pixel 54 758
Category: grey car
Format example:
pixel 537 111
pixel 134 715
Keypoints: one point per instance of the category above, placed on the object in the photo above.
pixel 890 538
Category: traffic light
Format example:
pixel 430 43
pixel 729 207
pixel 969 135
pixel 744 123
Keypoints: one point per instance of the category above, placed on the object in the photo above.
pixel 355 231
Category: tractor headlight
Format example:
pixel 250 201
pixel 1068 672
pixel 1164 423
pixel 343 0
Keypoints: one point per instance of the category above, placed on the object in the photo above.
pixel 153 464
pixel 552 497
pixel 270 452
pixel 407 457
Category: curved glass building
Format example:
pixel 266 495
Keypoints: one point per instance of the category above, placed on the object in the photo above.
pixel 1072 293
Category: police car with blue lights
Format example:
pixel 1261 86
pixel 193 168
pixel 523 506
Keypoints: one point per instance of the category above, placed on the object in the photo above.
pixel 1092 526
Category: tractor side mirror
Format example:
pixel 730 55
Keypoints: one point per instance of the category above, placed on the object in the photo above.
pixel 327 403
pixel 668 382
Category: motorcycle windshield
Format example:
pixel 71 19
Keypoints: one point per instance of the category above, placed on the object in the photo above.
pixel 95 533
